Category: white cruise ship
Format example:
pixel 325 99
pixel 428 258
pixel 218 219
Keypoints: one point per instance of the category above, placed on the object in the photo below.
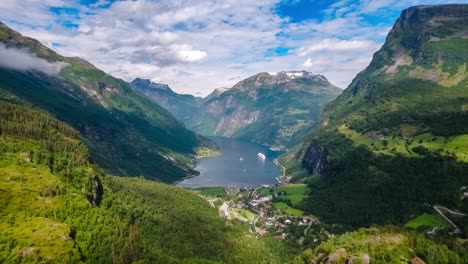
pixel 261 156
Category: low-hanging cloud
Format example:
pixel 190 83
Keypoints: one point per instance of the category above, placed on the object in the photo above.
pixel 22 60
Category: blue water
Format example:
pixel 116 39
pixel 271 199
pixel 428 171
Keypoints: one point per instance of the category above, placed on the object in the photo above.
pixel 229 170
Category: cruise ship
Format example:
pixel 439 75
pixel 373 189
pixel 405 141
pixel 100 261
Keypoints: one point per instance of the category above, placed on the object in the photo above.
pixel 261 156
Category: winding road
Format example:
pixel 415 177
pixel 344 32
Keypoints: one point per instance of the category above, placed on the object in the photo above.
pixel 438 210
pixel 282 168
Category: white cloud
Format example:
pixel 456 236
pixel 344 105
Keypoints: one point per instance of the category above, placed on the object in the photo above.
pixel 187 54
pixel 337 45
pixel 17 59
pixel 307 64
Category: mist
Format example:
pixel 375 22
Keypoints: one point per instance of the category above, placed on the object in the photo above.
pixel 22 60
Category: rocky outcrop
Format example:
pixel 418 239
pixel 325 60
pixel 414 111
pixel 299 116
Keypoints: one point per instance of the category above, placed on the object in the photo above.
pixel 315 159
pixel 95 196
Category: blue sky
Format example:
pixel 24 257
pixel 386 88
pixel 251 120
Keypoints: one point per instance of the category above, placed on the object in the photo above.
pixel 196 46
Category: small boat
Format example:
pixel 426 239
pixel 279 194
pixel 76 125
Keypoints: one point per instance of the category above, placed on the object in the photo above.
pixel 241 159
pixel 261 156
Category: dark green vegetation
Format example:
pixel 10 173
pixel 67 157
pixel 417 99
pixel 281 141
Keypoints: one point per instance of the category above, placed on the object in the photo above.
pixel 126 133
pixel 273 110
pixel 395 141
pixel 56 207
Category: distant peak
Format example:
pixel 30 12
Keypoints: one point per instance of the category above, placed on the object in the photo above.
pixel 302 73
pixel 216 92
pixel 221 89
pixel 148 84
pixel 291 75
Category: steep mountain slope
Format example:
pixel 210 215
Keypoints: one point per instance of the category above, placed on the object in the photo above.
pixel 182 106
pixel 396 139
pixel 276 110
pixel 126 133
pixel 56 207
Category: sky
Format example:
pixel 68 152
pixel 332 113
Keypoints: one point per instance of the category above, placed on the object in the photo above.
pixel 196 46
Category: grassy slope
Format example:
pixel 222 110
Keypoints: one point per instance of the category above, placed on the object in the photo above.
pixel 295 193
pixel 427 220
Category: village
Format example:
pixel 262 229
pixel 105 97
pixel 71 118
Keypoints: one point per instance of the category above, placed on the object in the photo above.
pixel 268 211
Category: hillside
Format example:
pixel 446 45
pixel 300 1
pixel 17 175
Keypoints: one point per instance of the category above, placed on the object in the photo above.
pixel 383 245
pixel 57 207
pixel 275 110
pixel 126 133
pixel 395 140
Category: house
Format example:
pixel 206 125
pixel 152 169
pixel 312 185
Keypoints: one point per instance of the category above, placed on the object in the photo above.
pixel 224 210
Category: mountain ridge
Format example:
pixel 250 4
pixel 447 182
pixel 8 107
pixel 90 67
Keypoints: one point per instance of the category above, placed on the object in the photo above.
pixel 114 120
pixel 289 101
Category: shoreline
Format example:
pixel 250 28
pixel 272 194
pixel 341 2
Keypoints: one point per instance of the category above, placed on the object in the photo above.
pixel 185 178
pixel 280 166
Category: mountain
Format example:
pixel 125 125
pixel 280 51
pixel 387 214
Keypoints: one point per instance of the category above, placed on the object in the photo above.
pixel 181 106
pixel 396 139
pixel 127 133
pixel 276 110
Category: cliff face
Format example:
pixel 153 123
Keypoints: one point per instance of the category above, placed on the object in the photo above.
pixel 315 159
